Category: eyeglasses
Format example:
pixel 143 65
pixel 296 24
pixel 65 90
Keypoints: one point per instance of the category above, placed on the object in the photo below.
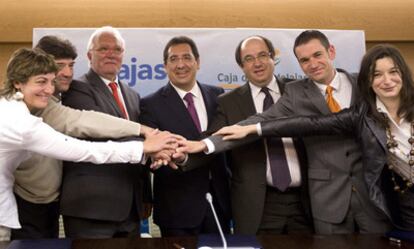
pixel 105 50
pixel 185 59
pixel 261 57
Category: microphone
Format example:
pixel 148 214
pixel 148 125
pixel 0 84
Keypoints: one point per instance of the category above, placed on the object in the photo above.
pixel 210 201
pixel 223 238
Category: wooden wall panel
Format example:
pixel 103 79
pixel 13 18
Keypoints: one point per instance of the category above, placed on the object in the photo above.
pixel 6 49
pixel 381 19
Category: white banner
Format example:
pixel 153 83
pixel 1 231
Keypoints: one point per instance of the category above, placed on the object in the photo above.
pixel 143 67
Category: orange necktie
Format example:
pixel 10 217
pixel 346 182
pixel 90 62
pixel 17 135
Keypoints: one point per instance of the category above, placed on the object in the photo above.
pixel 114 88
pixel 330 100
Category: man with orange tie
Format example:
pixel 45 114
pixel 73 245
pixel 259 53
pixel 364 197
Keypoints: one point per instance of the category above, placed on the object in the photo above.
pixel 338 195
pixel 106 202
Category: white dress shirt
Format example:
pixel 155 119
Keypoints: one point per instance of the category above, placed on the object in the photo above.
pixel 402 133
pixel 22 133
pixel 198 103
pixel 342 89
pixel 290 151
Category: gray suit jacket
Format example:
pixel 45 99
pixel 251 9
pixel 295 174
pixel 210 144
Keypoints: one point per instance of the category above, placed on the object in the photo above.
pixel 101 193
pixel 335 164
pixel 248 163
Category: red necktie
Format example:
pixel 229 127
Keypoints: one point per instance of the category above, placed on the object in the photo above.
pixel 114 88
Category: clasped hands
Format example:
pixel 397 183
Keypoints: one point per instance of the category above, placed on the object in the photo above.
pixel 170 149
pixel 160 146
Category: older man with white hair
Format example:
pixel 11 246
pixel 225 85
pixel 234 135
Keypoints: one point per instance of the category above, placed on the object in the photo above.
pixel 103 203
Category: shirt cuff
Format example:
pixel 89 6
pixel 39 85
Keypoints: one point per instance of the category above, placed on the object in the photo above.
pixel 259 129
pixel 210 146
pixel 183 163
pixel 138 155
pixel 139 129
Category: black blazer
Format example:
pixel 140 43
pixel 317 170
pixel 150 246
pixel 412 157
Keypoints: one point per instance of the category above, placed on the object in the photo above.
pixel 372 138
pixel 104 192
pixel 179 197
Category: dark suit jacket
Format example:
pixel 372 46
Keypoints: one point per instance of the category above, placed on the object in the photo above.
pixel 248 163
pixel 373 140
pixel 335 162
pixel 179 197
pixel 101 192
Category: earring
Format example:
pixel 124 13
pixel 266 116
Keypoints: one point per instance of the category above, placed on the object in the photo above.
pixel 18 96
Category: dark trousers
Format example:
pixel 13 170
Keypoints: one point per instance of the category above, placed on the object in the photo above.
pixel 406 209
pixel 284 213
pixel 207 225
pixel 38 221
pixel 77 227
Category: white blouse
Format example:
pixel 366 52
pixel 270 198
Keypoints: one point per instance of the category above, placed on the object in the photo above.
pixel 22 133
pixel 399 156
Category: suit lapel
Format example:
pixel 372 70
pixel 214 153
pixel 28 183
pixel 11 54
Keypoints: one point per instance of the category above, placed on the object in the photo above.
pixel 378 132
pixel 315 97
pixel 102 88
pixel 318 100
pixel 352 80
pixel 178 109
pixel 280 84
pixel 131 100
pixel 208 98
pixel 245 101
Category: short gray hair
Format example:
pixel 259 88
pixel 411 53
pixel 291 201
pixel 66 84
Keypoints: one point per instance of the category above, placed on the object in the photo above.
pixel 105 30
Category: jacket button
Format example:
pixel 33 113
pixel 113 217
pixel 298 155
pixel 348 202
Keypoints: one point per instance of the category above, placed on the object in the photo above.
pixel 354 189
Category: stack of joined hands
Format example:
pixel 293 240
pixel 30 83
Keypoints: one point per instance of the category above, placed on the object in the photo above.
pixel 170 149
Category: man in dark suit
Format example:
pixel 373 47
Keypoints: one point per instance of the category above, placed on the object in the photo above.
pixel 338 194
pixel 186 107
pixel 259 205
pixel 104 202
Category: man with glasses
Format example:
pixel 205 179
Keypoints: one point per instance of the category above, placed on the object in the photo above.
pixel 186 107
pixel 339 196
pixel 261 204
pixel 105 202
pixel 37 180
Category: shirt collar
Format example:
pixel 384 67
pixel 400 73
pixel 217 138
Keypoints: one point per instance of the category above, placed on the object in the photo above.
pixel 55 98
pixel 335 83
pixel 106 81
pixel 383 109
pixel 273 87
pixel 195 91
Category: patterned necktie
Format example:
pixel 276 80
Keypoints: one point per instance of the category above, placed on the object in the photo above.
pixel 114 88
pixel 192 110
pixel 277 158
pixel 330 100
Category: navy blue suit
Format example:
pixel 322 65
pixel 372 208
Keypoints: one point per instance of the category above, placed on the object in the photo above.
pixel 179 197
